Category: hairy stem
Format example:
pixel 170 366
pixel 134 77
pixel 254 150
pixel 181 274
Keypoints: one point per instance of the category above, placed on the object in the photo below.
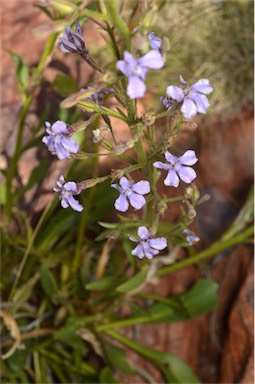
pixel 215 248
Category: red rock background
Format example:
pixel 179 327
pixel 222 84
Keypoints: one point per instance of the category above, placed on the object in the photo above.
pixel 218 346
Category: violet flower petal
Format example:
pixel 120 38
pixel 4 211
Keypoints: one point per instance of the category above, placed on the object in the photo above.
pixel 143 233
pixel 136 87
pixel 59 127
pixel 172 180
pixel 138 251
pixel 201 101
pixel 127 65
pixel 182 80
pixel 187 174
pixel 149 252
pixel 160 165
pixel 153 59
pixel 121 203
pixel 137 201
pixel 61 153
pixel 132 238
pixel 190 236
pixel 175 93
pixel 159 243
pixel 71 186
pixel 203 86
pixel 64 202
pixel 188 158
pixel 171 158
pixel 189 108
pixel 66 46
pixel 155 41
pixel 74 204
pixel 124 183
pixel 70 145
pixel 142 187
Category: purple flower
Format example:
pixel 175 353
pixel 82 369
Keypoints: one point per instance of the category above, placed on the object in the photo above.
pixel 132 192
pixel 58 142
pixel 97 97
pixel 155 41
pixel 190 236
pixel 193 98
pixel 147 246
pixel 178 168
pixel 73 42
pixel 66 192
pixel 167 102
pixel 136 70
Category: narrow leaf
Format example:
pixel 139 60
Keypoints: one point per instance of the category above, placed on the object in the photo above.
pixel 134 282
pixel 103 285
pixel 201 298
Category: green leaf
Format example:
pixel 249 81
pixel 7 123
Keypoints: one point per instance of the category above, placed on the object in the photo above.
pixel 61 222
pixel 71 326
pixel 65 7
pixel 179 372
pixel 173 369
pixel 103 202
pixel 201 298
pixel 106 376
pixel 2 194
pixel 134 282
pixel 117 358
pixel 128 249
pixel 108 225
pixel 22 70
pixel 48 282
pixel 103 284
pixel 163 313
pixel 75 98
pixel 105 234
pixel 93 14
pixel 17 361
pixel 23 293
pixel 64 84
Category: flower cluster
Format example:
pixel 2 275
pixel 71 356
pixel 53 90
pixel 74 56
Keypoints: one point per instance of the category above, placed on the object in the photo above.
pixel 58 141
pixel 193 98
pixel 136 70
pixel 155 41
pixel 66 192
pixel 97 97
pixel 132 192
pixel 190 99
pixel 147 246
pixel 178 168
pixel 190 236
pixel 73 42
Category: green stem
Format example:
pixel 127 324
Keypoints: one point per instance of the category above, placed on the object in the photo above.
pixel 83 221
pixel 28 249
pixel 17 152
pixel 155 356
pixel 123 323
pixel 13 165
pixel 135 129
pixel 118 22
pixel 215 248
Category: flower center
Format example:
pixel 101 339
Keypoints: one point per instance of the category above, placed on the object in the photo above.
pixel 137 70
